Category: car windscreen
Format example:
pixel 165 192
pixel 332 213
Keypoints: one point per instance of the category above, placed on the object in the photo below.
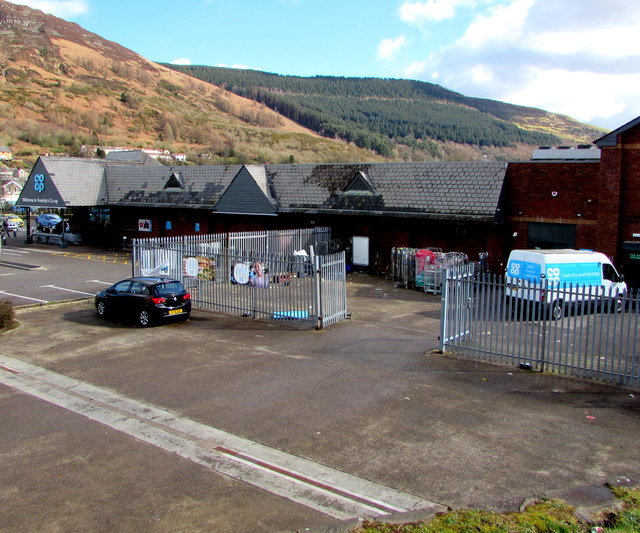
pixel 171 287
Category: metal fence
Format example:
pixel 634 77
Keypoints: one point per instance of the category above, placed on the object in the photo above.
pixel 236 274
pixel 577 331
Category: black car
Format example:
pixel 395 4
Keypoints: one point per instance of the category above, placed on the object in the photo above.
pixel 145 300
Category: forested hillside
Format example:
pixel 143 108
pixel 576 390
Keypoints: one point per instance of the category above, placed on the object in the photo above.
pixel 65 90
pixel 378 113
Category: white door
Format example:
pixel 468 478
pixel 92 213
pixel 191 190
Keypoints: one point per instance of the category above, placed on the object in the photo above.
pixel 361 251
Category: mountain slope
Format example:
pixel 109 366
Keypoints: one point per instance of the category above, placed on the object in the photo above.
pixel 376 113
pixel 62 87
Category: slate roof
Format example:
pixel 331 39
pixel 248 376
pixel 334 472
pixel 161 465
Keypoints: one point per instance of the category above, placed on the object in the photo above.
pixel 132 157
pixel 78 180
pixel 434 190
pixel 453 191
pixel 203 185
pixel 611 139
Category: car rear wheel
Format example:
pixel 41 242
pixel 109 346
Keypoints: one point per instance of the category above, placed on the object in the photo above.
pixel 101 307
pixel 144 318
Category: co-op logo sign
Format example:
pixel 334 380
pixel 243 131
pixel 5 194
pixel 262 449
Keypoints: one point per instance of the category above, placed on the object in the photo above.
pixel 38 184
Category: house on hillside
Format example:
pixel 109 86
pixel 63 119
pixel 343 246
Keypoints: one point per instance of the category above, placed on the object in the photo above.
pixel 11 183
pixel 9 192
pixel 5 153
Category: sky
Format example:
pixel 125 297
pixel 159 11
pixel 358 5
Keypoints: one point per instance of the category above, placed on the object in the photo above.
pixel 580 58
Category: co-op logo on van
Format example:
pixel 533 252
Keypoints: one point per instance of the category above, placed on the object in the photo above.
pixel 38 182
pixel 553 275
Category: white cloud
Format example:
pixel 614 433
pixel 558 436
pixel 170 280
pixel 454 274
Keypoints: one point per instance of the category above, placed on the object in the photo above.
pixel 242 67
pixel 430 10
pixel 503 22
pixel 583 62
pixel 582 95
pixel 415 69
pixel 59 8
pixel 388 48
pixel 181 61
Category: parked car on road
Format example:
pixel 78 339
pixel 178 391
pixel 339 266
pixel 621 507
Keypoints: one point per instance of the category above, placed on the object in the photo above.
pixel 48 220
pixel 146 301
pixel 7 228
pixel 15 218
pixel 9 225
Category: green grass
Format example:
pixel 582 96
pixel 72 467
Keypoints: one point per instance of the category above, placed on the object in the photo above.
pixel 546 516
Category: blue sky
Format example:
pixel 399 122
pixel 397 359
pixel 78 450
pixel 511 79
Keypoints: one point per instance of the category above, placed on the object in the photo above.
pixel 576 57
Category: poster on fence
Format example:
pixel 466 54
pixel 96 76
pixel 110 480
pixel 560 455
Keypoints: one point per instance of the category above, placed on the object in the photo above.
pixel 252 274
pixel 199 267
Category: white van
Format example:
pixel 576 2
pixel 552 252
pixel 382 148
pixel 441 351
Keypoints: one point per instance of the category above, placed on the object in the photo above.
pixel 561 278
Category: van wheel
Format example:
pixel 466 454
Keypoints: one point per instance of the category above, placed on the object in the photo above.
pixel 618 305
pixel 557 310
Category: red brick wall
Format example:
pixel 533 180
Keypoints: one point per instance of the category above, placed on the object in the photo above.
pixel 630 197
pixel 560 192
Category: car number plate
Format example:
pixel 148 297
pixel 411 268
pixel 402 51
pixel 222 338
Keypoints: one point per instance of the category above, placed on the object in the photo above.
pixel 175 311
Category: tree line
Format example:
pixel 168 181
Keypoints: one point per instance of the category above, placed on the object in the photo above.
pixel 376 113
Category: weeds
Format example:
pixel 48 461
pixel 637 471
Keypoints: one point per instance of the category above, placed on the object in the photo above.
pixel 546 516
pixel 7 315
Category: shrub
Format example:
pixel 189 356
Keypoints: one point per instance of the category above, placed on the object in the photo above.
pixel 7 314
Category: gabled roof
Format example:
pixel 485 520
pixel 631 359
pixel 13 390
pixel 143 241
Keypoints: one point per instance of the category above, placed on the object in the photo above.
pixel 202 185
pixel 460 191
pixel 64 182
pixel 175 181
pixel 247 194
pixel 361 184
pixel 611 139
pixel 453 191
pixel 132 157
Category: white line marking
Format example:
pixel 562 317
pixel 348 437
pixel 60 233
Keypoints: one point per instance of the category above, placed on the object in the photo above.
pixel 98 281
pixel 14 250
pixel 24 297
pixel 68 290
pixel 313 485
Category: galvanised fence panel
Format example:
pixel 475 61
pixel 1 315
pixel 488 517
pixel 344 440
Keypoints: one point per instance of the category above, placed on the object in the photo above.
pixel 578 331
pixel 283 242
pixel 332 288
pixel 306 291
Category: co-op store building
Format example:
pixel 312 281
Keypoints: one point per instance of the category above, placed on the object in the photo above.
pixel 571 198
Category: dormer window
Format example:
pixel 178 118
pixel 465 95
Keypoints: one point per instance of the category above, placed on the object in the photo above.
pixel 175 181
pixel 360 184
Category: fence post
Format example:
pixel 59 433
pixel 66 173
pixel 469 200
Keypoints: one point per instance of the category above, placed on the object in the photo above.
pixel 443 308
pixel 546 309
pixel 317 289
pixel 134 253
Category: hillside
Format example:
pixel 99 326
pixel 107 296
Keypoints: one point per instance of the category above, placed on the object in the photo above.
pixel 384 114
pixel 63 88
pixel 66 90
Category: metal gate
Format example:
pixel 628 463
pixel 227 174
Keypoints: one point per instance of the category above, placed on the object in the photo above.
pixel 304 290
pixel 595 336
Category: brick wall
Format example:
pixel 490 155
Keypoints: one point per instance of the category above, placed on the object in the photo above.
pixel 559 192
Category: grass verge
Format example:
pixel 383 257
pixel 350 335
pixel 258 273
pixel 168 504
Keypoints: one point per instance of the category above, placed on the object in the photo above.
pixel 546 516
pixel 7 316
